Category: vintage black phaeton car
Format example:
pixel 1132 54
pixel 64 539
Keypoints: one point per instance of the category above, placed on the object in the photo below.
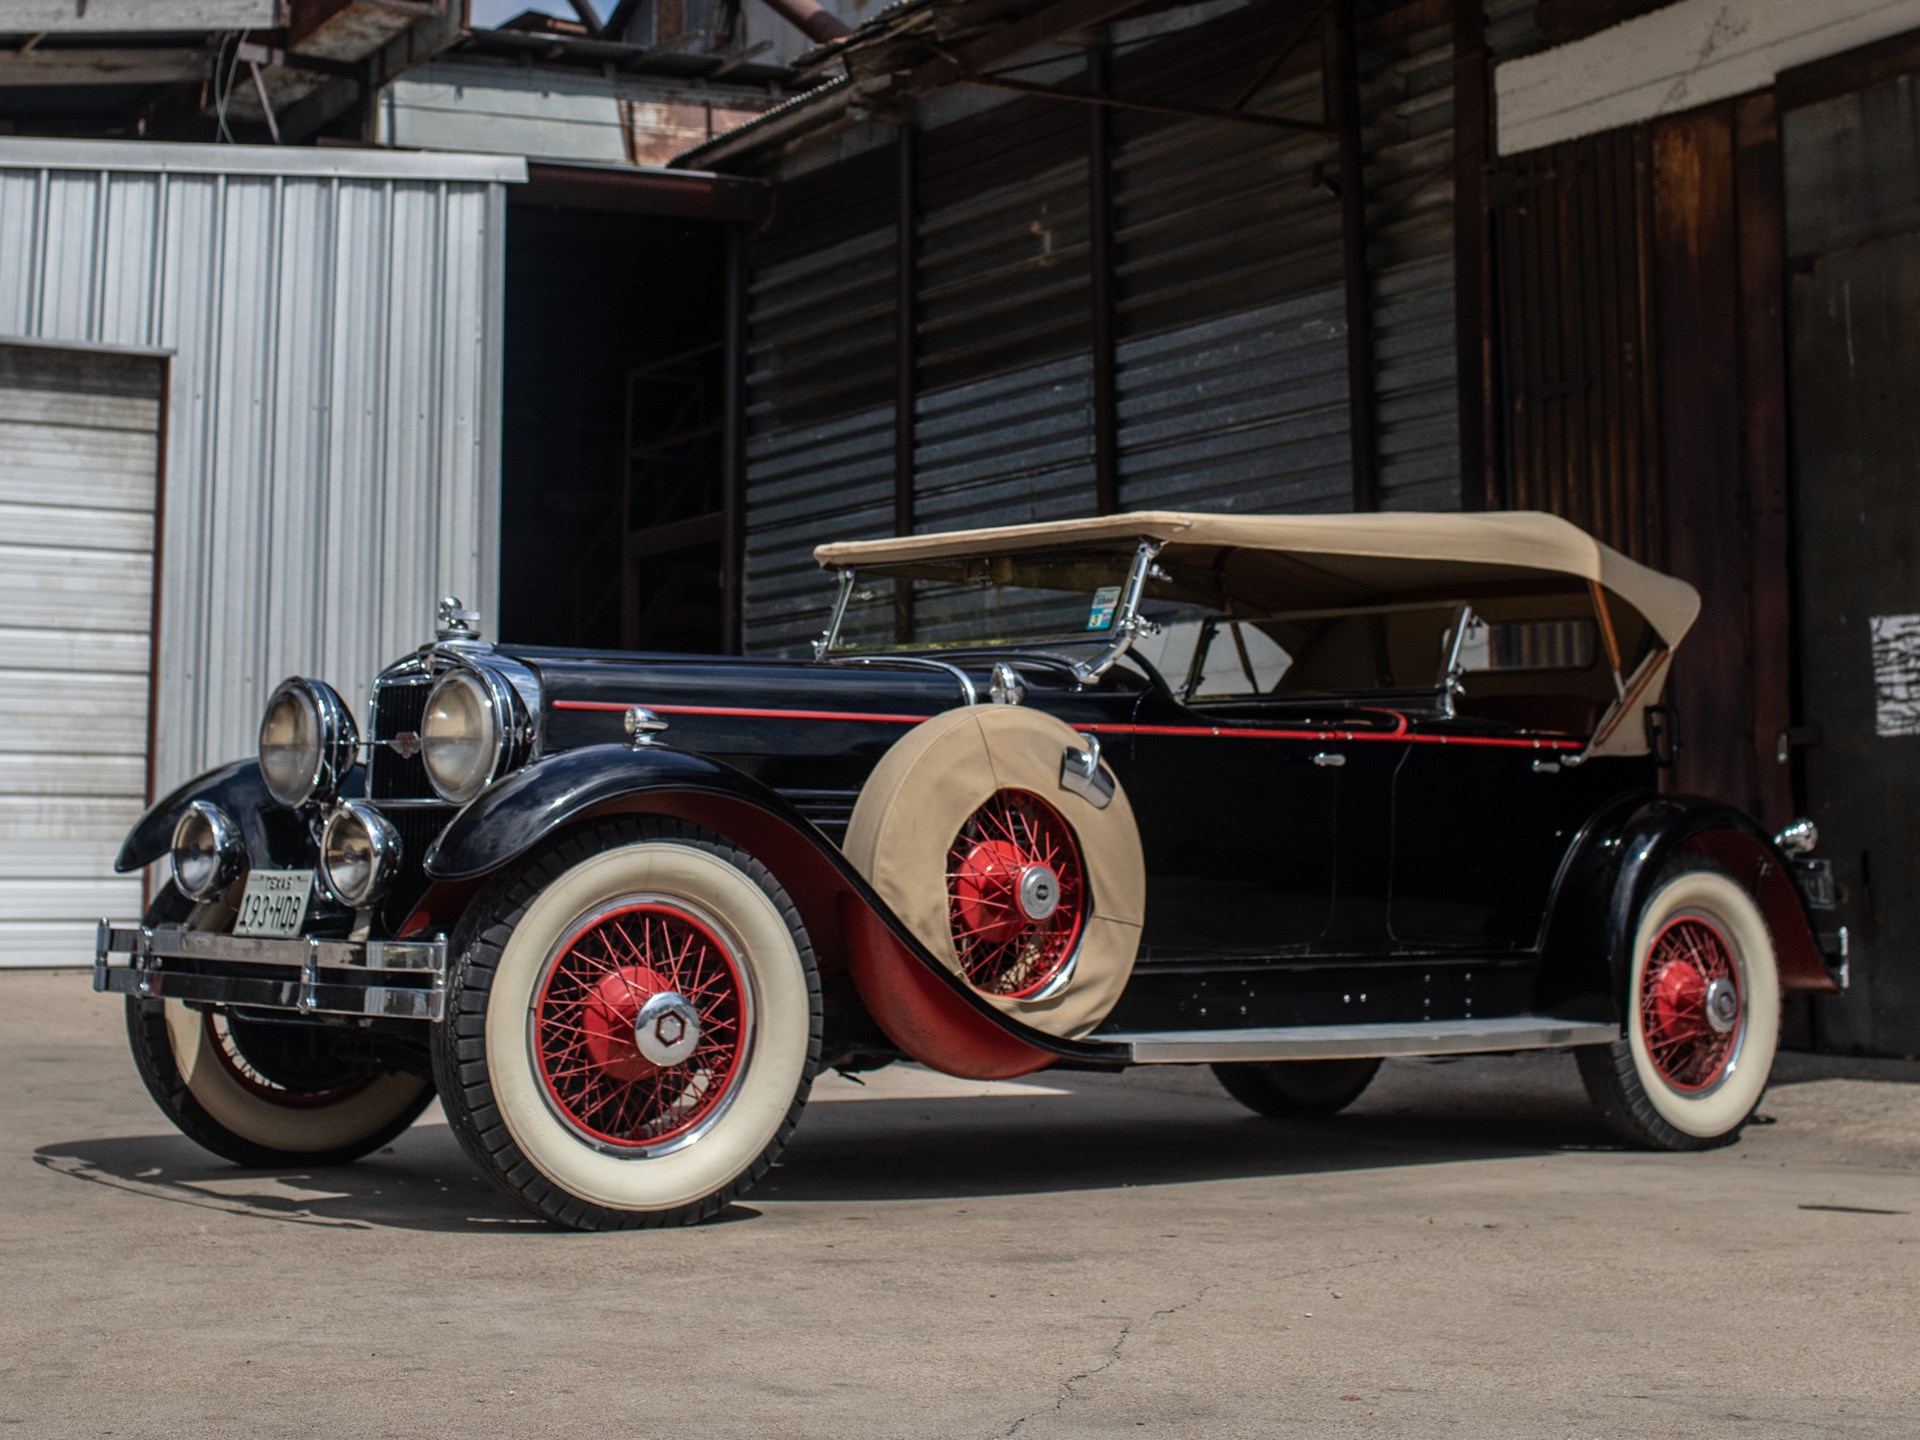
pixel 1282 795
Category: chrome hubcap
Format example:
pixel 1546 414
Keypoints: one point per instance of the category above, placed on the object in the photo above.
pixel 1039 892
pixel 1723 1005
pixel 667 1029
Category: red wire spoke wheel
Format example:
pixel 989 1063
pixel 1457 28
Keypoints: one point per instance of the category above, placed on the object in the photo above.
pixel 1690 1004
pixel 1016 895
pixel 641 1026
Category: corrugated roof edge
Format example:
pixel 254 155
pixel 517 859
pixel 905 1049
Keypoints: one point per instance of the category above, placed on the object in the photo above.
pixel 153 156
pixel 764 127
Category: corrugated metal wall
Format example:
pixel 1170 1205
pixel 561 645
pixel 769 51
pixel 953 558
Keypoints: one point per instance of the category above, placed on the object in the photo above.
pixel 1231 382
pixel 332 463
pixel 1406 90
pixel 1232 363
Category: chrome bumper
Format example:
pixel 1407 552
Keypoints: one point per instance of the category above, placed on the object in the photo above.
pixel 394 979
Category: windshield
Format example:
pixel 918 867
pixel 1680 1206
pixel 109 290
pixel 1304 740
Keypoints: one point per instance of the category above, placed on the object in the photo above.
pixel 1035 598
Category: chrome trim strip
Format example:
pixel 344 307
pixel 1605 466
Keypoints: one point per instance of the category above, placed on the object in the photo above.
pixel 1356 1042
pixel 968 690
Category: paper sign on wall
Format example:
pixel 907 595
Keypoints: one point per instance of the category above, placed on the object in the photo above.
pixel 1896 673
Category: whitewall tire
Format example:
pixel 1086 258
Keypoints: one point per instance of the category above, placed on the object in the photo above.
pixel 633 1027
pixel 1703 1017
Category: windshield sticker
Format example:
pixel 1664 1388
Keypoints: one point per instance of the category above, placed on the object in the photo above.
pixel 1105 599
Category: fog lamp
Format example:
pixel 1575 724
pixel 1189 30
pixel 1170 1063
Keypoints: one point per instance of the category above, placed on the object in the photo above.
pixel 208 853
pixel 359 854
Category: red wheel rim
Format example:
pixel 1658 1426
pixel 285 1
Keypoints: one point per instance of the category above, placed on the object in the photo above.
pixel 261 1085
pixel 1689 962
pixel 590 1061
pixel 1014 858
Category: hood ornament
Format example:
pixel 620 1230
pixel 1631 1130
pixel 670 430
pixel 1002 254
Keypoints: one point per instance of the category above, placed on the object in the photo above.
pixel 455 622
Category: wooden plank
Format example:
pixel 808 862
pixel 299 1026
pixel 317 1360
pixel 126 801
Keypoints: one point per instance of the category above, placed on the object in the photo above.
pixel 153 65
pixel 109 17
pixel 1677 58
pixel 1697 300
pixel 1760 188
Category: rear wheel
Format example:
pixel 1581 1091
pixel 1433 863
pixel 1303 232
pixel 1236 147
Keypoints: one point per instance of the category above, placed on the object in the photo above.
pixel 633 1027
pixel 1297 1089
pixel 1703 1018
pixel 263 1093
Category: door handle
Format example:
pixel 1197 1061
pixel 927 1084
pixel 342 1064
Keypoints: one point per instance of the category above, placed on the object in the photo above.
pixel 1329 759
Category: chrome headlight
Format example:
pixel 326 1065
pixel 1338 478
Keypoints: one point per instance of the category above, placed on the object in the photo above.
pixel 208 853
pixel 471 733
pixel 359 854
pixel 307 742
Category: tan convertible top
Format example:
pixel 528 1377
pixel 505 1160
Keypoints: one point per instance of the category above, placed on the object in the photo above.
pixel 1345 558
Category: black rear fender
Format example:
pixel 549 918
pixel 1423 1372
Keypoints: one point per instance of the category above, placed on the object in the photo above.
pixel 1612 871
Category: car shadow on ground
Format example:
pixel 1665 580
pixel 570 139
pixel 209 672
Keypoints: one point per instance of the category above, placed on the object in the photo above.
pixel 1068 1134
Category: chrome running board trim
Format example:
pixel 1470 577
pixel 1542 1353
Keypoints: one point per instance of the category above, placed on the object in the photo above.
pixel 1356 1042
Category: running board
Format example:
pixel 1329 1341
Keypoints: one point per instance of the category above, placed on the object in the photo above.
pixel 1353 1042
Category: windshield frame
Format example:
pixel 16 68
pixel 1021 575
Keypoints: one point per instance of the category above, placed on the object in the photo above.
pixel 1127 621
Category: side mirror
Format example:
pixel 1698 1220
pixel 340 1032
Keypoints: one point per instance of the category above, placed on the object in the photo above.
pixel 1663 734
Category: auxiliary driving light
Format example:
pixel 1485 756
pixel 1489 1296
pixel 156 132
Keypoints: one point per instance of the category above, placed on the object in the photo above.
pixel 208 853
pixel 359 854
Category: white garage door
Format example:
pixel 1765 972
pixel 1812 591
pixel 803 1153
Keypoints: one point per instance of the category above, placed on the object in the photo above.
pixel 79 461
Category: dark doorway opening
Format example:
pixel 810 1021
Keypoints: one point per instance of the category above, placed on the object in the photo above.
pixel 611 445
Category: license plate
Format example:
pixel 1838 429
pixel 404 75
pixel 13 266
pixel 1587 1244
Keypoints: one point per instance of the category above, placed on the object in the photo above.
pixel 275 904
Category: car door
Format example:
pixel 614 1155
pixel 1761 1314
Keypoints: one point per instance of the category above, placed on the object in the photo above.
pixel 1480 823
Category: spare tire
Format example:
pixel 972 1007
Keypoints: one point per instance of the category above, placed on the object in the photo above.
pixel 1031 892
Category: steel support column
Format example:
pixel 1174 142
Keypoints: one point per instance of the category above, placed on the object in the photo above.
pixel 733 445
pixel 1342 89
pixel 905 352
pixel 1106 434
pixel 1472 256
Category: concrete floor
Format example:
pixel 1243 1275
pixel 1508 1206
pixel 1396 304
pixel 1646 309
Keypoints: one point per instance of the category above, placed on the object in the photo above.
pixel 1464 1254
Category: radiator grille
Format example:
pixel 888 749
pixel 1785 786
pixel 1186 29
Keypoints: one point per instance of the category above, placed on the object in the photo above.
pixel 397 709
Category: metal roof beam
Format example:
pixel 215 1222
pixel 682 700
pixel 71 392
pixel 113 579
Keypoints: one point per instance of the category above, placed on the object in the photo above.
pixel 1115 102
pixel 1055 20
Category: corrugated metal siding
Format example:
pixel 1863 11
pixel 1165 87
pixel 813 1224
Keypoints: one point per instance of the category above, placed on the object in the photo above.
pixel 833 479
pixel 820 428
pixel 1407 101
pixel 79 459
pixel 332 462
pixel 1247 412
pixel 1232 380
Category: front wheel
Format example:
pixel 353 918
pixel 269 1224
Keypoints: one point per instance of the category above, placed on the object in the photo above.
pixel 633 1026
pixel 258 1091
pixel 1703 1018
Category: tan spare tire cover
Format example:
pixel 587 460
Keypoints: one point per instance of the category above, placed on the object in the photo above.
pixel 928 788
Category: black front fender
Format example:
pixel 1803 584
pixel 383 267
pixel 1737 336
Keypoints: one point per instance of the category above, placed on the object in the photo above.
pixel 237 789
pixel 534 803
